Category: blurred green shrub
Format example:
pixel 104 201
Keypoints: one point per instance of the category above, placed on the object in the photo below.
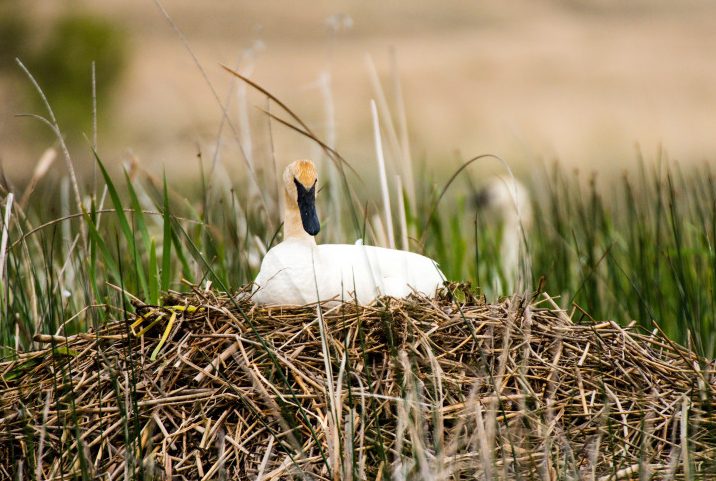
pixel 13 33
pixel 62 66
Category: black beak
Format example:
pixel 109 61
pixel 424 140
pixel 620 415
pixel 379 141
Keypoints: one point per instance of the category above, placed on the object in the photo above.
pixel 307 207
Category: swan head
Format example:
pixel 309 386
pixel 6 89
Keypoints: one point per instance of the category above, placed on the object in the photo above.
pixel 505 198
pixel 300 181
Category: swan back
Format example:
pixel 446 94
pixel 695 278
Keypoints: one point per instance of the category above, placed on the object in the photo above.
pixel 298 273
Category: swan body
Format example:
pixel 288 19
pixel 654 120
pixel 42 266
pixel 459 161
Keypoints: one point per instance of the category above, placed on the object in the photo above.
pixel 299 272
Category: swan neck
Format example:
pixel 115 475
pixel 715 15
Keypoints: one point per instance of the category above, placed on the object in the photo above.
pixel 292 224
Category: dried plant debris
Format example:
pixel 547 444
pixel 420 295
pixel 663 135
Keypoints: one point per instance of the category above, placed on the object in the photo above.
pixel 213 387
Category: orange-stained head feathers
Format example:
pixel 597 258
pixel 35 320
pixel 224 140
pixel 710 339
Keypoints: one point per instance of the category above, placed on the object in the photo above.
pixel 303 171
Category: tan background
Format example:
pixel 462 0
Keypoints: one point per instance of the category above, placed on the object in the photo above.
pixel 583 82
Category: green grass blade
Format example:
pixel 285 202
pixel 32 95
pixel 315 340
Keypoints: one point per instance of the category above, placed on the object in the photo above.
pixel 127 231
pixel 139 219
pixel 153 275
pixel 166 239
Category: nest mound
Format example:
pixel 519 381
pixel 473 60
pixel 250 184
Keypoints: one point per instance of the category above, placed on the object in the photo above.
pixel 453 388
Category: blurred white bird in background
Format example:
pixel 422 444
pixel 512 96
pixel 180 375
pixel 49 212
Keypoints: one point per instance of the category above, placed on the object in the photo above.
pixel 505 203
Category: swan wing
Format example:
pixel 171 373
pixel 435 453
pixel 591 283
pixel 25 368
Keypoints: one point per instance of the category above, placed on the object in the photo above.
pixel 369 271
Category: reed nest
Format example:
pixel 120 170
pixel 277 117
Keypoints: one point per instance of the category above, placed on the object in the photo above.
pixel 451 388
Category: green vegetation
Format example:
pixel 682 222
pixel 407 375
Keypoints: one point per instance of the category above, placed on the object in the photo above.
pixel 13 33
pixel 643 249
pixel 61 67
pixel 62 60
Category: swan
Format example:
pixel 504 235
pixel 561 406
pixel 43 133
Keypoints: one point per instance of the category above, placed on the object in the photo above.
pixel 298 271
pixel 506 201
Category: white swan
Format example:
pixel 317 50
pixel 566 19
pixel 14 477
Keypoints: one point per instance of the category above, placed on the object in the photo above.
pixel 299 272
pixel 506 201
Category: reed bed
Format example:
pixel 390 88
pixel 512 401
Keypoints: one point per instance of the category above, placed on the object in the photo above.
pixel 210 386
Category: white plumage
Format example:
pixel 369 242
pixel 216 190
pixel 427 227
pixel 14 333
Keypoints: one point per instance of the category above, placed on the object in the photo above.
pixel 298 272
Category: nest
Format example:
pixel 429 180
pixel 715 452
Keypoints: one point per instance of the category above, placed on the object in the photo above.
pixel 210 387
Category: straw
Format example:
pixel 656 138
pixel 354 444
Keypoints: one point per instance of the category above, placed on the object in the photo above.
pixel 510 389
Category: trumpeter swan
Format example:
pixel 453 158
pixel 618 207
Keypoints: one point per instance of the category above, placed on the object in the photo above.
pixel 299 272
pixel 505 200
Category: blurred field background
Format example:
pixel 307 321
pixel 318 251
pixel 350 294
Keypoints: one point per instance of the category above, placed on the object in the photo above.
pixel 581 82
